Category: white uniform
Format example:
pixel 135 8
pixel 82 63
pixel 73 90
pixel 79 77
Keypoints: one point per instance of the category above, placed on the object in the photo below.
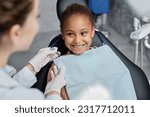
pixel 18 87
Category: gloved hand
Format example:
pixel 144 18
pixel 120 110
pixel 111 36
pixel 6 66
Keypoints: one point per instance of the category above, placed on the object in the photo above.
pixel 43 57
pixel 57 81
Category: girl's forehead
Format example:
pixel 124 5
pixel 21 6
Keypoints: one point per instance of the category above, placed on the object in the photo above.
pixel 77 20
pixel 78 16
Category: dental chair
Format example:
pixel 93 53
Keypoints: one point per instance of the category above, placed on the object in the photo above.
pixel 140 81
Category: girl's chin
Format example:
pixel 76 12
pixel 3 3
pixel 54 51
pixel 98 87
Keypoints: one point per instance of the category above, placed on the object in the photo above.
pixel 76 53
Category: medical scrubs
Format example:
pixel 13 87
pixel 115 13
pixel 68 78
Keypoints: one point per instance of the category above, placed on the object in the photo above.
pixel 18 87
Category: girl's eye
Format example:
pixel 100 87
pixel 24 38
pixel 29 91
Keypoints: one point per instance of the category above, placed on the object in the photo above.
pixel 84 33
pixel 70 34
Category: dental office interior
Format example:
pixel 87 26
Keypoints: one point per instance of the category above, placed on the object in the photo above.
pixel 118 25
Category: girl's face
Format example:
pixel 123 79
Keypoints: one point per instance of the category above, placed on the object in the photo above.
pixel 77 33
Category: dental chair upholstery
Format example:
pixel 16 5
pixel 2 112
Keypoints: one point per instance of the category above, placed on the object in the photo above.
pixel 139 78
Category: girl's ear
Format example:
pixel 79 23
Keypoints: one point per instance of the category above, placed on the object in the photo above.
pixel 93 31
pixel 62 35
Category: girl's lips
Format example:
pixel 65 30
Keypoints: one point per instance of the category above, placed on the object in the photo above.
pixel 78 46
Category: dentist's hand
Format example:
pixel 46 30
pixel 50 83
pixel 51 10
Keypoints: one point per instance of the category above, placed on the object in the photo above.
pixel 43 57
pixel 57 82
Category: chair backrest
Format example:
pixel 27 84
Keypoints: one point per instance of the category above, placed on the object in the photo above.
pixel 140 81
pixel 99 6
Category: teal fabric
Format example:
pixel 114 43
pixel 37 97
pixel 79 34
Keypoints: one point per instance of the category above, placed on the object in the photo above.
pixel 99 66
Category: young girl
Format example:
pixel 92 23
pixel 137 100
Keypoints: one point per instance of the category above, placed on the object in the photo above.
pixel 90 73
pixel 77 29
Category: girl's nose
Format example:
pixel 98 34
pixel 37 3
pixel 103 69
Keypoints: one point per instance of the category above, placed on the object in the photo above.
pixel 77 39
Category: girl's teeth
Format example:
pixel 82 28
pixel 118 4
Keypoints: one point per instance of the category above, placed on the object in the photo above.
pixel 78 45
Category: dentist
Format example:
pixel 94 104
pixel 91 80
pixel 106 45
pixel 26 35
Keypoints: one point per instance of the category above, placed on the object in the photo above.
pixel 18 27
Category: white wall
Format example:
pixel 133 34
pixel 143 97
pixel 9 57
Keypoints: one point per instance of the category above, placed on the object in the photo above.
pixel 48 17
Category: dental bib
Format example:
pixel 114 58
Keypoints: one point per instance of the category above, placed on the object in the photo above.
pixel 96 74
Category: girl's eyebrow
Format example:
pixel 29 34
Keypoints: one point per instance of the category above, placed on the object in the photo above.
pixel 84 29
pixel 68 31
pixel 80 30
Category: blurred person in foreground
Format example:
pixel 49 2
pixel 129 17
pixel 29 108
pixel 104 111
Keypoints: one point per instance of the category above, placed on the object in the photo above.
pixel 18 27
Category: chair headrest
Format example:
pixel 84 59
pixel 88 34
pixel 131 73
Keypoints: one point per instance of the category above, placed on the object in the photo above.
pixel 63 4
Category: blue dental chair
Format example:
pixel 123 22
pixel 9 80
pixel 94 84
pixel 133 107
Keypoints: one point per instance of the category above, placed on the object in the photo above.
pixel 140 81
